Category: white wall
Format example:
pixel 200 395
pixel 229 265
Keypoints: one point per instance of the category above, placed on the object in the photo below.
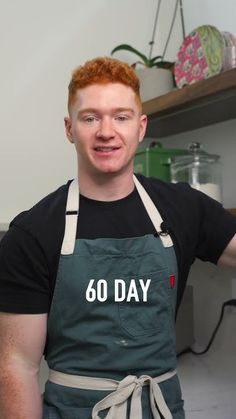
pixel 212 12
pixel 41 42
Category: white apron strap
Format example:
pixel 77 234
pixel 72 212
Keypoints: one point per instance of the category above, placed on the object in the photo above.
pixel 72 210
pixel 153 213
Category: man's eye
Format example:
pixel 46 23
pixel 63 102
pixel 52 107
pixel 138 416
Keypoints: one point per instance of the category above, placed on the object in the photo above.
pixel 122 118
pixel 89 119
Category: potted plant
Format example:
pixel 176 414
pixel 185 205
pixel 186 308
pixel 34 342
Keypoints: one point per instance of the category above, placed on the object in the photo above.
pixel 155 73
pixel 149 62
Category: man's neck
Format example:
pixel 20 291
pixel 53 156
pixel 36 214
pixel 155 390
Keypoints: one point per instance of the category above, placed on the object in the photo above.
pixel 106 187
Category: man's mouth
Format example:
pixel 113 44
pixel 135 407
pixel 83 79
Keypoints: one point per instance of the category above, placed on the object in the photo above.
pixel 106 149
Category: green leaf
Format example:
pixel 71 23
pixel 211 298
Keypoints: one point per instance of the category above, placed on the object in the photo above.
pixel 129 48
pixel 164 64
pixel 155 59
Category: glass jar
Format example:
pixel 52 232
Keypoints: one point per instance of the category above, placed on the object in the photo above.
pixel 200 169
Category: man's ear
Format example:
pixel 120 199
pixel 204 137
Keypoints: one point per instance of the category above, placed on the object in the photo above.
pixel 143 127
pixel 68 124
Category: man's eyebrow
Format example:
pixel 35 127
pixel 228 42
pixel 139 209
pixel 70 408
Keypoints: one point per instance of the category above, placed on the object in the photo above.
pixel 124 110
pixel 114 110
pixel 87 110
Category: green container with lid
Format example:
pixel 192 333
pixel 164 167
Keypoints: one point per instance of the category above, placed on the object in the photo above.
pixel 155 160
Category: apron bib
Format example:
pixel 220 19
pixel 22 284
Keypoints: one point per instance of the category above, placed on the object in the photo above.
pixel 111 328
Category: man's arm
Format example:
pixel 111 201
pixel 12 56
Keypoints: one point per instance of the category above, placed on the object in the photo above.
pixel 22 340
pixel 228 257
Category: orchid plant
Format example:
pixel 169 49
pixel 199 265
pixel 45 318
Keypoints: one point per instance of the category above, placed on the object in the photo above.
pixel 158 60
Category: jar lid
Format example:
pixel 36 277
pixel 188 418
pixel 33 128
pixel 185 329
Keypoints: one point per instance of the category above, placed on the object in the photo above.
pixel 196 154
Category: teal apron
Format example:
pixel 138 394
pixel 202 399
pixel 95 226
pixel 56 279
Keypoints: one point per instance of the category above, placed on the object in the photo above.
pixel 111 329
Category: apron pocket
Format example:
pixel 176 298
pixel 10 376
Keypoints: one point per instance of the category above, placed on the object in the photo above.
pixel 140 318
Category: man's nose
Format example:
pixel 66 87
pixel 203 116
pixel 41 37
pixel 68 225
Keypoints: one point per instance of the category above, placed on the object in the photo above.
pixel 106 129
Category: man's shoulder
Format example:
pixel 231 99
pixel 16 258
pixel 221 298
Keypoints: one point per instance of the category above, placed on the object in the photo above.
pixel 45 214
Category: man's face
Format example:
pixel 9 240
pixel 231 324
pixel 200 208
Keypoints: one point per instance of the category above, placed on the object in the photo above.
pixel 106 127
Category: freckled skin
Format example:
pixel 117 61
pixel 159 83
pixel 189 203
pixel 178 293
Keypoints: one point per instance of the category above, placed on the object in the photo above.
pixel 21 350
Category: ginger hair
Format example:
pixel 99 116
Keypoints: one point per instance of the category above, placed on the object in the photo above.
pixel 103 70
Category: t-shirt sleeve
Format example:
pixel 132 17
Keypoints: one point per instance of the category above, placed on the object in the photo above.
pixel 217 228
pixel 24 274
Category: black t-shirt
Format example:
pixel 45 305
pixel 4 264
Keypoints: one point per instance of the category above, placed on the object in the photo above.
pixel 30 250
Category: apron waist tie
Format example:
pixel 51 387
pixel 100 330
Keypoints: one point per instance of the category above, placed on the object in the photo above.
pixel 116 401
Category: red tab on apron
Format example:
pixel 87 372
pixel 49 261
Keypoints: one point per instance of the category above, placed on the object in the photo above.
pixel 172 281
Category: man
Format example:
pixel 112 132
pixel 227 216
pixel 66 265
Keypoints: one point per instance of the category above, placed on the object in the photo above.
pixel 92 275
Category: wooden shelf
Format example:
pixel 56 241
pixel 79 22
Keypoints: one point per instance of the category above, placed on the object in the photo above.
pixel 198 105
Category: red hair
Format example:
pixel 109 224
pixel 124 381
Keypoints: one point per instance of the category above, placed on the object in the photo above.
pixel 103 70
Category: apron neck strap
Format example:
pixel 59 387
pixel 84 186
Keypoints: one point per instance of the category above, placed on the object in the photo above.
pixel 72 212
pixel 153 213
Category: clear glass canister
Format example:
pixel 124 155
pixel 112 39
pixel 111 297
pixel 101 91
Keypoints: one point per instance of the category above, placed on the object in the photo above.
pixel 200 169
